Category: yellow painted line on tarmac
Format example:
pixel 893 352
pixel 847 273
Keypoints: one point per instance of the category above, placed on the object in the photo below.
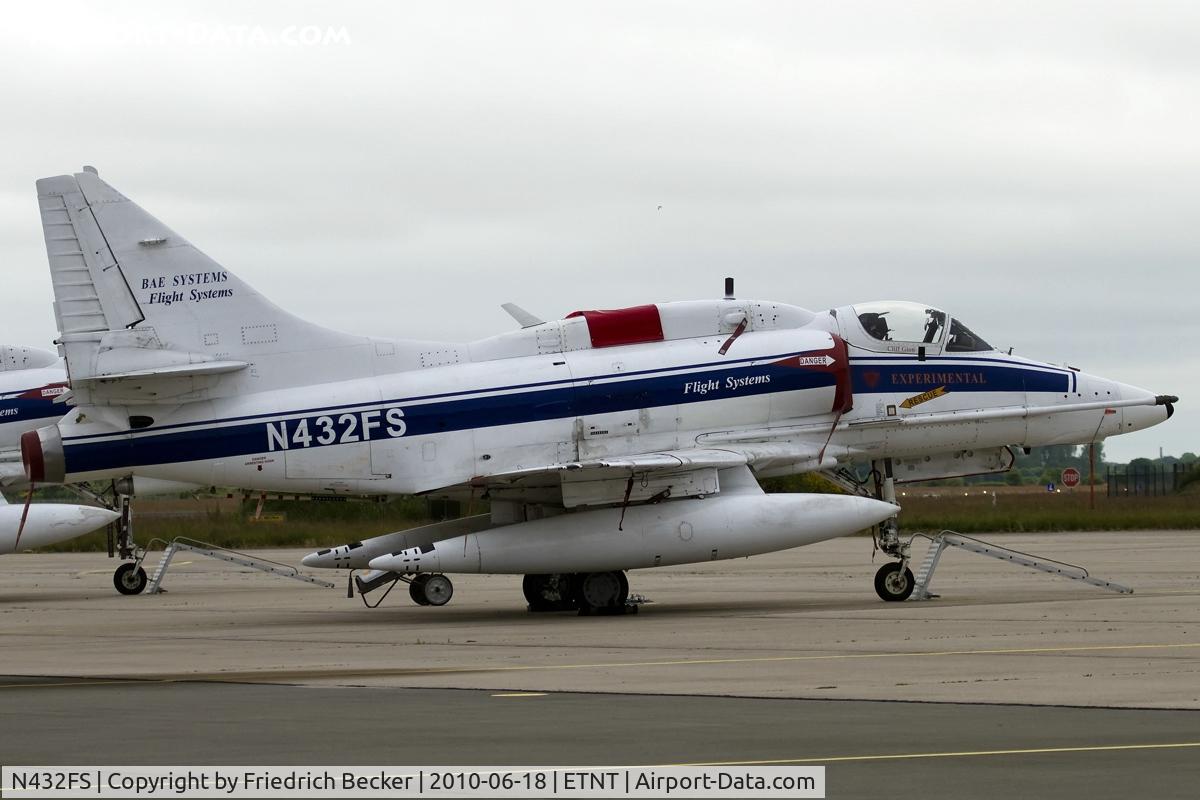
pixel 521 694
pixel 954 754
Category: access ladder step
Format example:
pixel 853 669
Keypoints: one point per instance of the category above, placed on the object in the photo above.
pixel 945 539
pixel 232 557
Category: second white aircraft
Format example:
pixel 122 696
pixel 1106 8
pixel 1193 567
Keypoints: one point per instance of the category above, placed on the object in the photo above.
pixel 31 380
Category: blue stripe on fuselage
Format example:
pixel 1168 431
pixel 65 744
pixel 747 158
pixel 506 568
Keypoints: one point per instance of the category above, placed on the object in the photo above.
pixel 26 409
pixel 583 398
pixel 921 376
pixel 564 383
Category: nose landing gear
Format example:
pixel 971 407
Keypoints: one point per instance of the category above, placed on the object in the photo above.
pixel 894 582
pixel 130 578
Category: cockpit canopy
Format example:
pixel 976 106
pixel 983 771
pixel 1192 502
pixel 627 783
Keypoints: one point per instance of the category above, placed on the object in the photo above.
pixel 916 323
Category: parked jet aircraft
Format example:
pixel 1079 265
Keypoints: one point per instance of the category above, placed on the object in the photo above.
pixel 606 441
pixel 30 381
pixel 40 524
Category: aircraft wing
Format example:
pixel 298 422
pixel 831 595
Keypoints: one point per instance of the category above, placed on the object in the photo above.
pixel 735 438
pixel 653 476
pixel 762 452
pixel 1012 412
pixel 752 454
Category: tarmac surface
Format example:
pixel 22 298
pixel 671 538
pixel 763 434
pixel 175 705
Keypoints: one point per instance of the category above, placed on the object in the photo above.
pixel 1016 682
pixel 947 750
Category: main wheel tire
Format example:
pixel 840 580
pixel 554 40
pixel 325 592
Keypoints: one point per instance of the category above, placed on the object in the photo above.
pixel 438 590
pixel 599 590
pixel 531 587
pixel 416 590
pixel 893 585
pixel 130 578
pixel 553 592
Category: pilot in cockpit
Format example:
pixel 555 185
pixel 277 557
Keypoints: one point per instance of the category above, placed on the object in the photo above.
pixel 875 325
pixel 901 321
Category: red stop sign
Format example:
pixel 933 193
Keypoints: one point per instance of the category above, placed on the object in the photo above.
pixel 1070 477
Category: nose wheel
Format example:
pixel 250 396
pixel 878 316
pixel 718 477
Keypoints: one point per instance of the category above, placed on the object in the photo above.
pixel 130 578
pixel 894 582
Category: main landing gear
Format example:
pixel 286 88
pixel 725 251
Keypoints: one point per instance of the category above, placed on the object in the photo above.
pixel 588 592
pixel 598 593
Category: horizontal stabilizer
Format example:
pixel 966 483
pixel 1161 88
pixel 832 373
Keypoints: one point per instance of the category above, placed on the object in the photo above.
pixel 178 371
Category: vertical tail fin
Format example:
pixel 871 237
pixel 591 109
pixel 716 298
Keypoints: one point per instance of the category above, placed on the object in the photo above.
pixel 133 296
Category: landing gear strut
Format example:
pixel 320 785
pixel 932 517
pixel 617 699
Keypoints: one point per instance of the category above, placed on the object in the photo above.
pixel 893 582
pixel 129 578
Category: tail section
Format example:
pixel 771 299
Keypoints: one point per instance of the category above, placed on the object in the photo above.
pixel 136 301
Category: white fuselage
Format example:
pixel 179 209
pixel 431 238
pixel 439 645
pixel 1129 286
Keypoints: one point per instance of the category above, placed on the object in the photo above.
pixel 487 409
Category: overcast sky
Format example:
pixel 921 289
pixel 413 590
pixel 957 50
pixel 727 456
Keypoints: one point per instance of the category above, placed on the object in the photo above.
pixel 400 169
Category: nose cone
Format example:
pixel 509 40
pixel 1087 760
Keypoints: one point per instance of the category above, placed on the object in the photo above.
pixel 1157 408
pixel 97 517
pixel 867 511
pixel 93 518
pixel 49 523
pixel 388 563
pixel 409 561
pixel 322 559
pixel 62 522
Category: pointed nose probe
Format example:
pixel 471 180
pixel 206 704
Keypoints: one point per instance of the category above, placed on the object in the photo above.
pixel 1168 400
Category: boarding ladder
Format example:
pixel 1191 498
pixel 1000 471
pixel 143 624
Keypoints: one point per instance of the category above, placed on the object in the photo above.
pixel 223 554
pixel 939 543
